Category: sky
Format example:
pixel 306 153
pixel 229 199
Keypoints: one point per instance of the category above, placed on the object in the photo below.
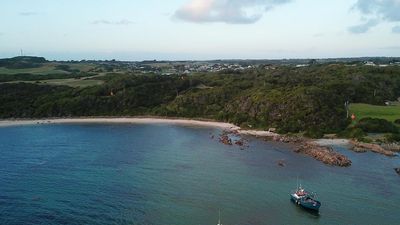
pixel 199 29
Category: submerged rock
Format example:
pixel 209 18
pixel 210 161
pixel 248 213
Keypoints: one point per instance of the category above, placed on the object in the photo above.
pixel 281 163
pixel 397 170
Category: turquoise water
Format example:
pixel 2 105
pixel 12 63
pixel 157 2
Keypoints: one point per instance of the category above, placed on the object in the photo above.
pixel 172 175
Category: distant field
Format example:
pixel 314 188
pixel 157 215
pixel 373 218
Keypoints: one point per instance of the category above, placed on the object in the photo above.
pixel 390 113
pixel 71 82
pixel 47 68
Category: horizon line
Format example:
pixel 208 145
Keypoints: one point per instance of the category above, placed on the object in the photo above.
pixel 206 60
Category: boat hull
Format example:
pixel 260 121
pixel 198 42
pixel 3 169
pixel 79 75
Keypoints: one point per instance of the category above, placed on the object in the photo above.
pixel 305 202
pixel 315 205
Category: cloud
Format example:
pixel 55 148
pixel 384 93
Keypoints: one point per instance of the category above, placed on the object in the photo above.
pixel 29 13
pixel 375 12
pixel 364 27
pixel 396 29
pixel 109 22
pixel 226 11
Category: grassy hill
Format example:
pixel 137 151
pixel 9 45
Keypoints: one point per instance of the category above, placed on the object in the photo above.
pixel 293 100
pixel 390 113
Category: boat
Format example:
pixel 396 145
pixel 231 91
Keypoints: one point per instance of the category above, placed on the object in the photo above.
pixel 309 202
pixel 305 199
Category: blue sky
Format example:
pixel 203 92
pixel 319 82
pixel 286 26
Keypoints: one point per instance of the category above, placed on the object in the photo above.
pixel 199 29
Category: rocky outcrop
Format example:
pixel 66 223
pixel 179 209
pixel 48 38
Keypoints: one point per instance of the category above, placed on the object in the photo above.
pixel 397 170
pixel 304 146
pixel 287 139
pixel 324 154
pixel 363 147
pixel 230 137
pixel 391 147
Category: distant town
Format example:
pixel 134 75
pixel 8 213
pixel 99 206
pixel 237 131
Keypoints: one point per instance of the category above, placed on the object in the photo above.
pixel 215 66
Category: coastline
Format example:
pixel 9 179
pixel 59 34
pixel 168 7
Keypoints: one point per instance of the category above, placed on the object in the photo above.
pixel 137 120
pixel 118 120
pixel 319 149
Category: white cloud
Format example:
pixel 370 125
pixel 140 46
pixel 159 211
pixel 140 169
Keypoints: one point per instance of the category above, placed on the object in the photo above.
pixel 364 27
pixel 375 12
pixel 226 11
pixel 109 22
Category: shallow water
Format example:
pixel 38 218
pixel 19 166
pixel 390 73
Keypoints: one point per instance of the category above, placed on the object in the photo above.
pixel 167 174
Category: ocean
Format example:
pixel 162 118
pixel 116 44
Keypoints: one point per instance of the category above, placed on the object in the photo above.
pixel 179 175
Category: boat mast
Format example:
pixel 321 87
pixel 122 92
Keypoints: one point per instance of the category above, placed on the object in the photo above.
pixel 219 217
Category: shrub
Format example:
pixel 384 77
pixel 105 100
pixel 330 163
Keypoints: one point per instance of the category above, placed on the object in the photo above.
pixel 374 125
pixel 353 132
pixel 397 121
pixel 393 137
pixel 314 133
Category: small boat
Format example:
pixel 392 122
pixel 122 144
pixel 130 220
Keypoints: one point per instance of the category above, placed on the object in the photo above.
pixel 305 199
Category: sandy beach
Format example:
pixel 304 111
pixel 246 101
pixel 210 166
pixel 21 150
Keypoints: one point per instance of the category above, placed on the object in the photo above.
pixel 188 122
pixel 150 120
pixel 138 120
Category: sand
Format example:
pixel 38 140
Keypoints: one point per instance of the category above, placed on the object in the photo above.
pixel 149 120
pixel 5 123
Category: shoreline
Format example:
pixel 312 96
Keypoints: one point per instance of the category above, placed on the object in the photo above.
pixel 136 120
pixel 116 120
pixel 320 149
pixel 160 120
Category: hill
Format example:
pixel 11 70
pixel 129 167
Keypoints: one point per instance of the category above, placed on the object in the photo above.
pixel 292 99
pixel 22 62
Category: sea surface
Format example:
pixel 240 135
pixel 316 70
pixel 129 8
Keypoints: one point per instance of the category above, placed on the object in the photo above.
pixel 178 175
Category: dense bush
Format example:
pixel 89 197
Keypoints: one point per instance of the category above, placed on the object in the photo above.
pixel 314 133
pixel 22 62
pixel 375 125
pixel 355 133
pixel 397 121
pixel 293 100
pixel 393 137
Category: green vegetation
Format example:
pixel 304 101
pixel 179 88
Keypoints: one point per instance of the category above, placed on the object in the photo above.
pixel 309 100
pixel 393 137
pixel 352 132
pixel 39 71
pixel 374 125
pixel 390 113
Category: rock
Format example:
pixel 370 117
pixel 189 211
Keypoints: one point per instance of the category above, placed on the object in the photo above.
pixel 363 147
pixel 393 147
pixel 324 154
pixel 358 149
pixel 281 163
pixel 397 170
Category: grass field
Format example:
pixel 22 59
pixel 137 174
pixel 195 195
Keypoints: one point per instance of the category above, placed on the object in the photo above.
pixel 71 82
pixel 390 113
pixel 48 68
